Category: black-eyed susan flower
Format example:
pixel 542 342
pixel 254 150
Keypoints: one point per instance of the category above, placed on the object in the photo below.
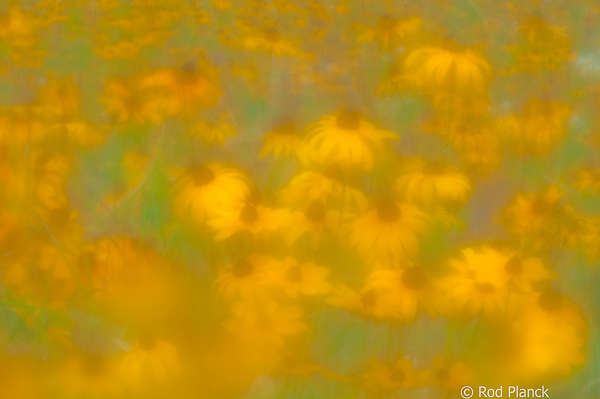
pixel 258 220
pixel 410 290
pixel 317 222
pixel 285 139
pixel 244 276
pixel 433 182
pixel 150 359
pixel 192 86
pixel 388 32
pixel 524 272
pixel 203 190
pixel 588 180
pixel 537 129
pixel 325 186
pixel 348 139
pixel 21 124
pixel 450 375
pixel 529 212
pixel 300 278
pixel 479 283
pixel 549 337
pixel 125 99
pixel 449 67
pixel 399 374
pixel 369 302
pixel 60 97
pixel 542 46
pixel 389 231
pixel 213 133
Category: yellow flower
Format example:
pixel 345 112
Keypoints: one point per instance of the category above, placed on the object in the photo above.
pixel 398 375
pixel 538 129
pixel 125 100
pixel 192 86
pixel 388 31
pixel 542 46
pixel 479 284
pixel 255 219
pixel 204 190
pixel 305 278
pixel 549 337
pixel 371 303
pixel 588 180
pixel 244 276
pixel 408 290
pixel 388 232
pixel 213 133
pixel 60 97
pixel 150 359
pixel 452 376
pixel 530 212
pixel 311 186
pixel 21 124
pixel 524 272
pixel 571 227
pixel 286 140
pixel 75 133
pixel 316 221
pixel 432 182
pixel 265 325
pixel 449 68
pixel 348 139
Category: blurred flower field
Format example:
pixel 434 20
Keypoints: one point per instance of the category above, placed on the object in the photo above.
pixel 298 198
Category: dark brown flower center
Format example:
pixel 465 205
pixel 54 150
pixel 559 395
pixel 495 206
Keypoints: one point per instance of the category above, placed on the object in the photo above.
pixel 248 213
pixel 388 211
pixel 201 175
pixel 189 72
pixel 514 266
pixel 59 217
pixel 293 274
pixel 414 278
pixel 442 375
pixel 433 168
pixel 315 212
pixel 272 35
pixel 540 207
pixel 133 103
pixel 551 300
pixel 386 23
pixel 369 299
pixel 285 126
pixel 348 120
pixel 241 268
pixel 486 288
pixel 398 375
